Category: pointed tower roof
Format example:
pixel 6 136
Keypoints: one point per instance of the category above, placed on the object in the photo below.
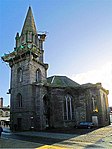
pixel 29 24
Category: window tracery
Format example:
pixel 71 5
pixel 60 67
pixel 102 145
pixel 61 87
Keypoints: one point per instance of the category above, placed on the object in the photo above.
pixel 68 108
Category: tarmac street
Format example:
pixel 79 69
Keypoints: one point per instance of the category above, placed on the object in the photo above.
pixel 99 138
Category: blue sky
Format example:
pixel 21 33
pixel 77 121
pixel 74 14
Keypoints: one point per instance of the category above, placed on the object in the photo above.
pixel 78 43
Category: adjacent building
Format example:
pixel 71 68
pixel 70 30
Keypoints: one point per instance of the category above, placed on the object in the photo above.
pixel 38 101
pixel 4 114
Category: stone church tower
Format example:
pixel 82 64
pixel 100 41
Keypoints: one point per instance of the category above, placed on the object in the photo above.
pixel 28 74
pixel 38 102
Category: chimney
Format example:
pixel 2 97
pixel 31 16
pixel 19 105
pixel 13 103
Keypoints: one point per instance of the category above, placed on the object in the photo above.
pixel 1 102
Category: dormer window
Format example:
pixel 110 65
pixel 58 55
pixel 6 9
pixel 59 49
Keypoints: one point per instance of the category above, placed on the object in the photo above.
pixel 23 38
pixel 19 74
pixel 29 37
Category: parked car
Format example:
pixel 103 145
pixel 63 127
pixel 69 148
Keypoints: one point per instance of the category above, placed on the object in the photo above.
pixel 85 125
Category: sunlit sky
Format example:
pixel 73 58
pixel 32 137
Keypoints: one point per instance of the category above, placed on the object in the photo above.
pixel 78 43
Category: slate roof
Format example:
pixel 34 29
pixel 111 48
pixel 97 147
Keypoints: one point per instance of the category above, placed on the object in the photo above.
pixel 61 81
pixel 87 85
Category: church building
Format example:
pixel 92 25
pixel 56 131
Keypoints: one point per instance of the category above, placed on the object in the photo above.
pixel 38 101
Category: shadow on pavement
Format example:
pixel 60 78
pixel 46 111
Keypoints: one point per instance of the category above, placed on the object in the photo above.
pixel 65 136
pixel 69 130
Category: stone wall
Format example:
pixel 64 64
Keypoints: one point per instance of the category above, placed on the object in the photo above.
pixel 57 102
pixel 31 92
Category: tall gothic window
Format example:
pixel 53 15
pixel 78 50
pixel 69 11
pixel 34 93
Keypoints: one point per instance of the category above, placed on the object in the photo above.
pixel 19 74
pixel 94 105
pixel 19 100
pixel 38 75
pixel 68 108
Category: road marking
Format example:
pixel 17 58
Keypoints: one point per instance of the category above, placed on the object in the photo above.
pixel 52 147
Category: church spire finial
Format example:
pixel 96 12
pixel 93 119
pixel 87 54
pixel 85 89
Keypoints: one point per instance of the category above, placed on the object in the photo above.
pixel 29 24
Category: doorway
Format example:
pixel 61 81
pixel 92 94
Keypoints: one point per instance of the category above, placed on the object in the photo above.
pixel 19 123
pixel 95 120
pixel 46 103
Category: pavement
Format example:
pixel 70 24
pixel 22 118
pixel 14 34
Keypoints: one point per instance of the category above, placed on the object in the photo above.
pixel 99 138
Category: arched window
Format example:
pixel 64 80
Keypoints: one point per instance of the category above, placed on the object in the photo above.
pixel 19 100
pixel 68 108
pixel 38 75
pixel 19 74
